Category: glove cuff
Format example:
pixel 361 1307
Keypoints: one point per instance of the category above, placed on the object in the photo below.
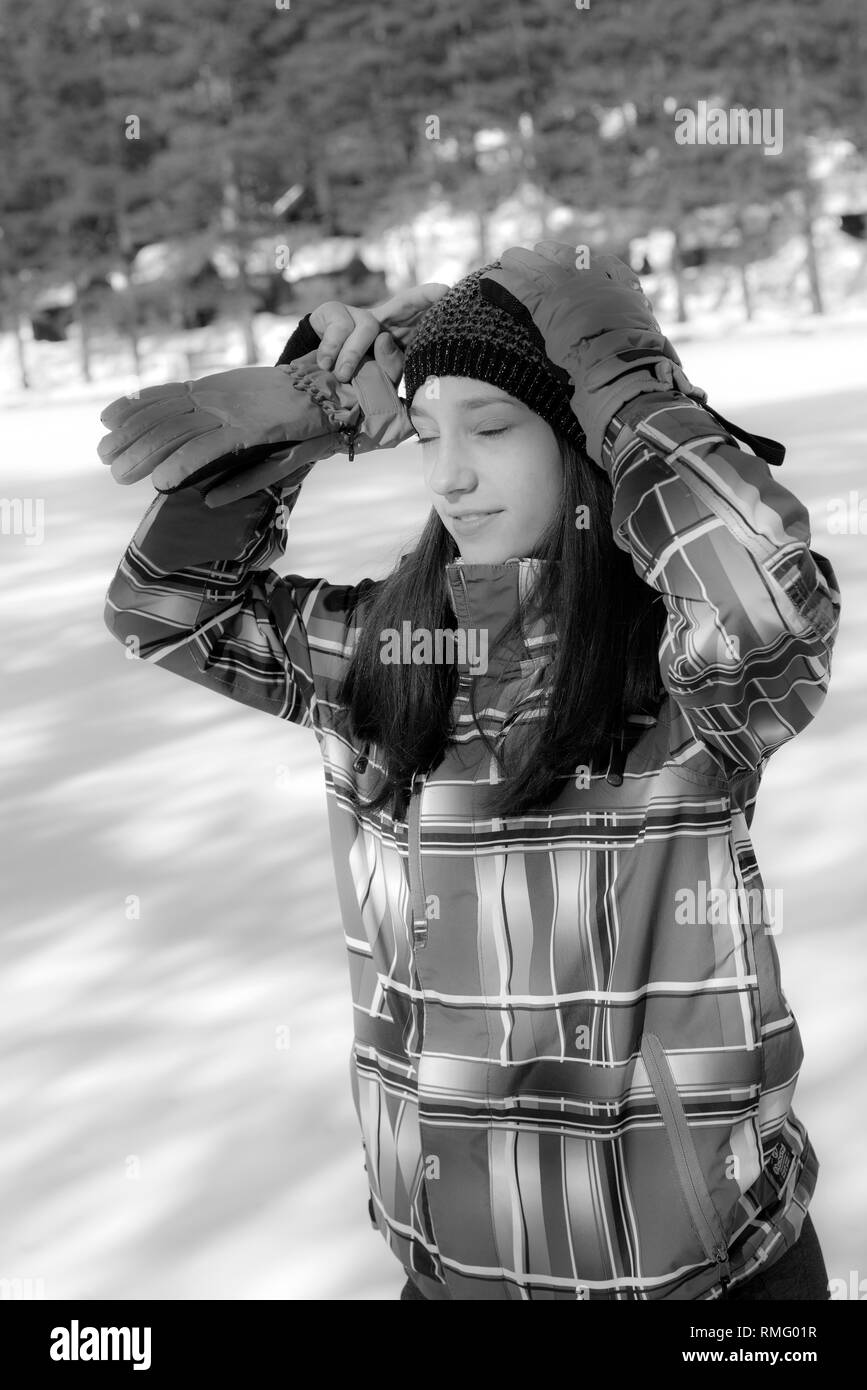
pixel 385 421
pixel 614 368
pixel 366 412
pixel 337 400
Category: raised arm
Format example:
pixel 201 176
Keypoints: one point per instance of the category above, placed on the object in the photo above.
pixel 752 612
pixel 195 591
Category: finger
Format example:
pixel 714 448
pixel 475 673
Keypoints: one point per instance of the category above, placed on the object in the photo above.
pixel 623 274
pixel 124 408
pixel 389 308
pixel 142 420
pixel 520 260
pixel 559 251
pixel 402 309
pixel 135 465
pixel 356 346
pixel 144 454
pixel 334 323
pixel 615 269
pixel 389 356
pixel 194 457
pixel 423 296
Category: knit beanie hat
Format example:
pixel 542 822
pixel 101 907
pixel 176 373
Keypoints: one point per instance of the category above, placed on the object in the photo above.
pixel 463 334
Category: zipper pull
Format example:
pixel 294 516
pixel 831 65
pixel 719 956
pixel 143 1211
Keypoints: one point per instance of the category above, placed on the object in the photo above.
pixel 350 433
pixel 616 762
pixel 419 914
pixel 721 1255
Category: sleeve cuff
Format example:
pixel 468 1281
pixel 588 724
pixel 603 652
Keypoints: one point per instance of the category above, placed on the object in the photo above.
pixel 302 341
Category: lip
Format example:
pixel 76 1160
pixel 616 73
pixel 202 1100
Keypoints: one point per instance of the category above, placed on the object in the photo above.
pixel 469 522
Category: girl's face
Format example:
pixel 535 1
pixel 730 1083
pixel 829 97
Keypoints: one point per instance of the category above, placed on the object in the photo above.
pixel 492 466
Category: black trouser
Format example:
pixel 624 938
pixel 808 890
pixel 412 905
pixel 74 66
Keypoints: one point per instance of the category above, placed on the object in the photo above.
pixel 799 1274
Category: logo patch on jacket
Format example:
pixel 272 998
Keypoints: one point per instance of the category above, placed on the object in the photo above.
pixel 779 1161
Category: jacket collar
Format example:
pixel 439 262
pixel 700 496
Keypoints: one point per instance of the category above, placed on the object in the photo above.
pixel 485 597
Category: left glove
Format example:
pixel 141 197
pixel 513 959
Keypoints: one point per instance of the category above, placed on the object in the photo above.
pixel 363 414
pixel 232 433
pixel 595 324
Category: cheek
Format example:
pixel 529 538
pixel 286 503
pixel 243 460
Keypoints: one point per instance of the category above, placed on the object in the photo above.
pixel 543 495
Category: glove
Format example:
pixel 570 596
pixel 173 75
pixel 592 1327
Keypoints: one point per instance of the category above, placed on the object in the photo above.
pixel 595 324
pixel 377 419
pixel 233 433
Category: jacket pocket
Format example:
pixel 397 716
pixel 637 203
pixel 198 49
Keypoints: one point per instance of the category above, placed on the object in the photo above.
pixel 703 1214
pixel 421 1206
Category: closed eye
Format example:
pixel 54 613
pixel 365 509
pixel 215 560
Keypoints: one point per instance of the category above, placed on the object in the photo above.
pixel 489 434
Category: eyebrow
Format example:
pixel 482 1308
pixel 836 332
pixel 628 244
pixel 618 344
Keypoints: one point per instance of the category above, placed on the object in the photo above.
pixel 471 403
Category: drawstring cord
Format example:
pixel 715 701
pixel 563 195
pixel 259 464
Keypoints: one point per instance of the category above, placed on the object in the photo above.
pixel 618 749
pixel 616 761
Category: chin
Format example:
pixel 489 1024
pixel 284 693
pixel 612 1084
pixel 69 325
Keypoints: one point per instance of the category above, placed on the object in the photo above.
pixel 491 550
pixel 480 556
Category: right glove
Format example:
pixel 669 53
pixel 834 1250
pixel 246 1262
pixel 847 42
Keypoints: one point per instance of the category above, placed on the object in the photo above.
pixel 596 325
pixel 232 433
pixel 598 329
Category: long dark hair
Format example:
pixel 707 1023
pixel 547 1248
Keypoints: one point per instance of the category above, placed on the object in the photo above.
pixel 605 665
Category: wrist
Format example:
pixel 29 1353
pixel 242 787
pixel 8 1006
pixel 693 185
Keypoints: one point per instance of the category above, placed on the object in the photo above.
pixel 305 339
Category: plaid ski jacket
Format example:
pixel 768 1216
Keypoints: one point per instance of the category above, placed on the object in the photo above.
pixel 573 1063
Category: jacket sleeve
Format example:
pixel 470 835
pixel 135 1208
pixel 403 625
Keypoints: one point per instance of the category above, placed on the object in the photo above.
pixel 302 341
pixel 752 612
pixel 195 593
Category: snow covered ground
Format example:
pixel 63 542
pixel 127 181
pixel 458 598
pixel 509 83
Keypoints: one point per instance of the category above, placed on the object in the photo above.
pixel 178 1119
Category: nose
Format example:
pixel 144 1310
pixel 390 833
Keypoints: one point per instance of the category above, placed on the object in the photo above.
pixel 449 472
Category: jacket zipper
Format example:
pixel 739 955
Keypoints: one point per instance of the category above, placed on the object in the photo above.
pixel 705 1217
pixel 350 434
pixel 419 914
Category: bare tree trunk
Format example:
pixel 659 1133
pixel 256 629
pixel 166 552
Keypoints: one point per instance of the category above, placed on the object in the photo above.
pixel 811 260
pixel 84 345
pixel 322 193
pixel 677 272
pixel 802 161
pixel 860 276
pixel 544 209
pixel 132 338
pixel 19 348
pixel 482 224
pixel 248 325
pixel 13 299
pixel 410 244
pixel 742 259
pixel 128 299
pixel 231 222
pixel 745 288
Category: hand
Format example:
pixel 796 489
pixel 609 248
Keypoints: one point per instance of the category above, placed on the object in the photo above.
pixel 607 292
pixel 596 325
pixel 347 333
pixel 174 431
pixel 383 423
pixel 233 433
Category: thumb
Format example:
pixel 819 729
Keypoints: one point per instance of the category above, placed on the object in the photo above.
pixel 389 356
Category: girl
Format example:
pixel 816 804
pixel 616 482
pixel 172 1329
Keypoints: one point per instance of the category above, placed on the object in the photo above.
pixel 542 736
